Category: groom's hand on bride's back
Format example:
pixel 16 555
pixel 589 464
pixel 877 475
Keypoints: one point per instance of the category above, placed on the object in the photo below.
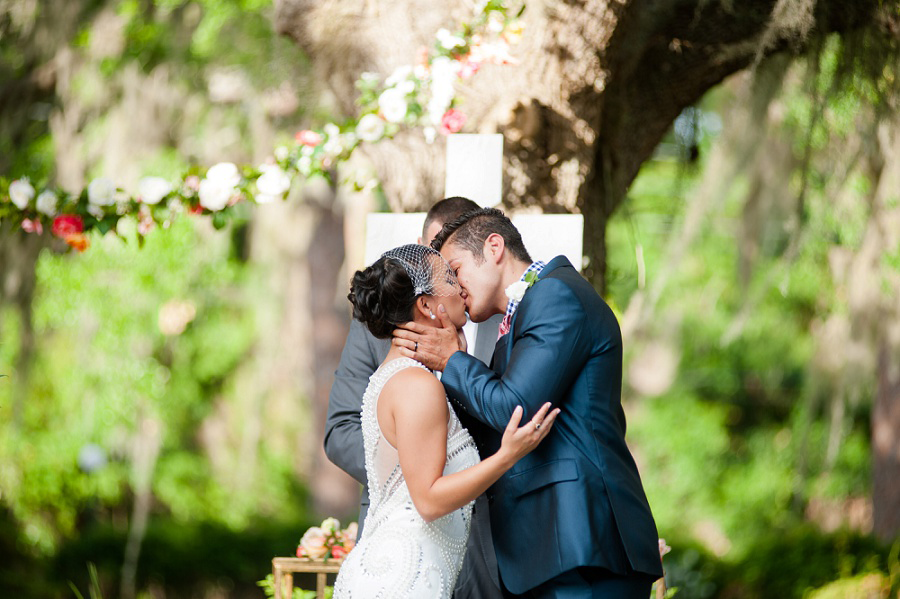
pixel 432 346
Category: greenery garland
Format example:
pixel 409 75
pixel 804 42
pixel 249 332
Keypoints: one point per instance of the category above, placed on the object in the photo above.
pixel 419 96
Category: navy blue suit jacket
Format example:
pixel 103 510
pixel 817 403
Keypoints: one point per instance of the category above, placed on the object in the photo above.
pixel 576 500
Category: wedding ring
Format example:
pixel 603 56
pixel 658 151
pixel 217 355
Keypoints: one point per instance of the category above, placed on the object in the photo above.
pixel 416 348
pixel 537 426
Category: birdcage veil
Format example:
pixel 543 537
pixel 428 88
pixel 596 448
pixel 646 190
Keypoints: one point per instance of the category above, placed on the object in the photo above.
pixel 429 272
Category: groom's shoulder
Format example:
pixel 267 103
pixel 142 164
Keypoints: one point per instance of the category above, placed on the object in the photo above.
pixel 561 270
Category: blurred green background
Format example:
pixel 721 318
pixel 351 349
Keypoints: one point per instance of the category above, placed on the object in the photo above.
pixel 159 415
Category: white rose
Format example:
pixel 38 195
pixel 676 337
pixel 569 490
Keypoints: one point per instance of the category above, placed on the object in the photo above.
pixel 448 40
pixel 331 130
pixel 516 291
pixel 437 106
pixel 399 74
pixel 20 193
pixel 406 87
pixel 46 202
pixel 307 151
pixel 219 185
pixel 333 147
pixel 281 153
pixel 304 165
pixel 430 133
pixel 370 128
pixel 215 194
pixel 224 172
pixel 96 211
pixel 153 189
pixel 495 22
pixel 102 192
pixel 392 104
pixel 272 184
pixel 369 77
pixel 330 525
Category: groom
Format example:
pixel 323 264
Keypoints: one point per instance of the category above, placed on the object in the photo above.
pixel 571 518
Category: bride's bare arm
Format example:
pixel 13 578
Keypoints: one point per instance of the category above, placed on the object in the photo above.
pixel 413 413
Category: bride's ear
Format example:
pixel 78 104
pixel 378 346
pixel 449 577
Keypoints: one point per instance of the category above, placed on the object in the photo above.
pixel 423 306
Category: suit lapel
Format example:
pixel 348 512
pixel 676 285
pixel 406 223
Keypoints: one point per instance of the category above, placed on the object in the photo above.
pixel 501 354
pixel 559 261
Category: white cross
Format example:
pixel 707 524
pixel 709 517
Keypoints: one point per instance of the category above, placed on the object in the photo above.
pixel 475 171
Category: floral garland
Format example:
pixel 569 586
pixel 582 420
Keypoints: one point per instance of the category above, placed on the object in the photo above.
pixel 423 96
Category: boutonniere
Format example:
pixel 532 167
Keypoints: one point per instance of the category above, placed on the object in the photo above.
pixel 517 290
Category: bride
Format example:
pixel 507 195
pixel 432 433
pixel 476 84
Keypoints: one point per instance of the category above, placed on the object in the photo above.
pixel 423 468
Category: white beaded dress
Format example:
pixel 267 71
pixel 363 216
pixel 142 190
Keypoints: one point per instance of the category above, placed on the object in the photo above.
pixel 400 556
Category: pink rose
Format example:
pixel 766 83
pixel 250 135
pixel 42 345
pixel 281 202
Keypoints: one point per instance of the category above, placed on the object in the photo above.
pixel 663 548
pixel 313 543
pixel 338 552
pixel 452 121
pixel 468 68
pixel 66 225
pixel 32 226
pixel 308 138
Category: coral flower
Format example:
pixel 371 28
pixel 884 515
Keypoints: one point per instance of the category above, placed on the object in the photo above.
pixel 308 138
pixel 78 241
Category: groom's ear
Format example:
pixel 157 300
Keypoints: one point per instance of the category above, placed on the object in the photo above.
pixel 494 247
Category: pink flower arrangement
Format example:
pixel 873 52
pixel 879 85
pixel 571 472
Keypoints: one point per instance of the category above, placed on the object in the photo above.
pixel 327 541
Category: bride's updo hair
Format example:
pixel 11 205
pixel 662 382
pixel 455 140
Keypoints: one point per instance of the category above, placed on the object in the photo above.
pixel 382 296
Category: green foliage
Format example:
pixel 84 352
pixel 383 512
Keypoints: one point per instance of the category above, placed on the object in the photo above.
pixel 184 558
pixel 787 563
pixel 95 591
pixel 105 364
pixel 268 587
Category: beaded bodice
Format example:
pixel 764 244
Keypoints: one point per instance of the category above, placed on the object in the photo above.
pixel 400 554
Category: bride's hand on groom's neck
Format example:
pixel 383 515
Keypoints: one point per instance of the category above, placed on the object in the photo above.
pixel 432 346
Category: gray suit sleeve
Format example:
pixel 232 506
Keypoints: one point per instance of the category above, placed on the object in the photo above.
pixel 343 428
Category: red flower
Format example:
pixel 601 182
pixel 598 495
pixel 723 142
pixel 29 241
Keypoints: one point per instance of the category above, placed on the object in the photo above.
pixel 308 138
pixel 338 552
pixel 66 225
pixel 452 121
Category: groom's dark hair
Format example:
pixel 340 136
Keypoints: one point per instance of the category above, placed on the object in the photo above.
pixel 471 229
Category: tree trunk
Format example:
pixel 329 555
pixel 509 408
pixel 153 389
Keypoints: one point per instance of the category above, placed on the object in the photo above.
pixel 334 493
pixel 886 448
pixel 18 259
pixel 598 86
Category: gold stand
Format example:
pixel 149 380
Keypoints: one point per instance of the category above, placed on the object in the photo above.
pixel 283 569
